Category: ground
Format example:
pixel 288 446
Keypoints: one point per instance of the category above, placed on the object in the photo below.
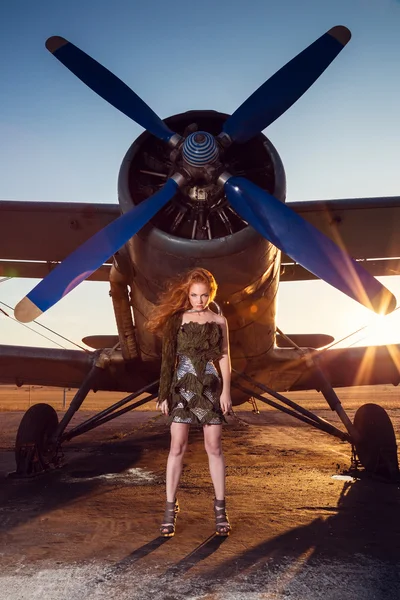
pixel 301 529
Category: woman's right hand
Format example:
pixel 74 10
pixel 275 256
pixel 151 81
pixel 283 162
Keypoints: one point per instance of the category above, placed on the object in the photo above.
pixel 163 406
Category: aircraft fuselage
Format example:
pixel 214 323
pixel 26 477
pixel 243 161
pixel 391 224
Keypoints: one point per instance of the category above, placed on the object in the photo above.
pixel 199 229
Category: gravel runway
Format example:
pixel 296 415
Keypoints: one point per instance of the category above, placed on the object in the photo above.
pixel 90 529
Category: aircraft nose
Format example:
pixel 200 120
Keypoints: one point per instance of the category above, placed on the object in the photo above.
pixel 200 149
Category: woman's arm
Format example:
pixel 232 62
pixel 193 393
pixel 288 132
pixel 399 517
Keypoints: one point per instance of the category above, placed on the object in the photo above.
pixel 167 363
pixel 225 366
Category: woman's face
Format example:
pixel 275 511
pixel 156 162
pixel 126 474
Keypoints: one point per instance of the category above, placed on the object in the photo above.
pixel 199 296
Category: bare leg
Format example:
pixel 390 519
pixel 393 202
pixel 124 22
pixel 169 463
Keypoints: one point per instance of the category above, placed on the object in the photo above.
pixel 213 446
pixel 179 439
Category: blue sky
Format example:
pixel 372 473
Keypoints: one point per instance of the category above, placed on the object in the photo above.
pixel 60 142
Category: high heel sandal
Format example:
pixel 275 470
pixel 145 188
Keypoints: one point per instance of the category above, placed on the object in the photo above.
pixel 222 525
pixel 167 529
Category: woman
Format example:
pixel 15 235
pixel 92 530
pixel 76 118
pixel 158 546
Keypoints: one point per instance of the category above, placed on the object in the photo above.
pixel 191 391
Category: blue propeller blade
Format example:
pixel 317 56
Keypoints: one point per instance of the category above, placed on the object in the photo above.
pixel 306 245
pixel 108 86
pixel 91 255
pixel 284 88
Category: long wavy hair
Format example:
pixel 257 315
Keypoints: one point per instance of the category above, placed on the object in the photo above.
pixel 175 298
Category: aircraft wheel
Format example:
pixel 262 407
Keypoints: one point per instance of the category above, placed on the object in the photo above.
pixel 377 449
pixel 33 451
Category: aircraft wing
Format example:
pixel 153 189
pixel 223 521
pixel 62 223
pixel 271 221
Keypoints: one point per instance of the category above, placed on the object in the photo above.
pixel 283 369
pixel 23 365
pixel 366 227
pixel 35 236
pixel 364 365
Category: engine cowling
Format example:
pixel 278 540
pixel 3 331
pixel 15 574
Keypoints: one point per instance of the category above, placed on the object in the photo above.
pixel 199 228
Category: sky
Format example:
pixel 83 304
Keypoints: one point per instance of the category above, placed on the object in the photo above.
pixel 61 142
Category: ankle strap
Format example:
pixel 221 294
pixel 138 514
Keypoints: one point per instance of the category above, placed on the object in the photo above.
pixel 219 503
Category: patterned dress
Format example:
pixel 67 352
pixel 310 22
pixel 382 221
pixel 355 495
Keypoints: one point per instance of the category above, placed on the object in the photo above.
pixel 196 385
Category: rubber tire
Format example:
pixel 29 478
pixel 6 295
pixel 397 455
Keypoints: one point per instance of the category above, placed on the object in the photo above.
pixel 377 449
pixel 37 426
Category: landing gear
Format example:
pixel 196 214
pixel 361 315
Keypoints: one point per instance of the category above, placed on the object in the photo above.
pixel 253 403
pixel 376 448
pixel 371 435
pixel 40 435
pixel 34 450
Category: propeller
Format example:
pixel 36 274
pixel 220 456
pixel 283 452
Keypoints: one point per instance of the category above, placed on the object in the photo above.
pixel 285 87
pixel 271 218
pixel 109 87
pixel 305 244
pixel 92 254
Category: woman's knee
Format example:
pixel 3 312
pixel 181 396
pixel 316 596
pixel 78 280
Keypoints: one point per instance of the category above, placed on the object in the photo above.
pixel 213 448
pixel 179 439
pixel 178 448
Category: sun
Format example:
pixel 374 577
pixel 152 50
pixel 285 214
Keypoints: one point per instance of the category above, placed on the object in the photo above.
pixel 378 330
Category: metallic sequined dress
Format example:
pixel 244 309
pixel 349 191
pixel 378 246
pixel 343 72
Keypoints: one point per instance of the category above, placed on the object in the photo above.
pixel 196 384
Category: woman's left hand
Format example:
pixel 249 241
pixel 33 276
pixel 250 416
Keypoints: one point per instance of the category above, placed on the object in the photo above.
pixel 163 406
pixel 226 403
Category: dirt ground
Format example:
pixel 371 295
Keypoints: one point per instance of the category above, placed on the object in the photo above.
pixel 300 529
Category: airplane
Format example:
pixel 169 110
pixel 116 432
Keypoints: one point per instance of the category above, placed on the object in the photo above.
pixel 203 188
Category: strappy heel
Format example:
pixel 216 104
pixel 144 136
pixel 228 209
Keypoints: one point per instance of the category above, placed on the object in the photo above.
pixel 167 529
pixel 222 525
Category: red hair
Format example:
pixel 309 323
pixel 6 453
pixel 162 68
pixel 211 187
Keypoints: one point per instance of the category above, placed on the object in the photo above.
pixel 176 297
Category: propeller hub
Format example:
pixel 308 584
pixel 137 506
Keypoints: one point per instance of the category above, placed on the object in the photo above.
pixel 200 149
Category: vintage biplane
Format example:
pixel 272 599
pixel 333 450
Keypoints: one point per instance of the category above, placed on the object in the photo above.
pixel 206 189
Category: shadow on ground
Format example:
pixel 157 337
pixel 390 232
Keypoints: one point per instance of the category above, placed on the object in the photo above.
pixel 352 553
pixel 364 531
pixel 25 499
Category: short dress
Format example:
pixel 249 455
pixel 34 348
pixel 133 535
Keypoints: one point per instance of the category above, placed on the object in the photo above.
pixel 196 384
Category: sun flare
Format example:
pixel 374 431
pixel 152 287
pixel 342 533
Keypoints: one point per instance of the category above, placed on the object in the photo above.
pixel 378 330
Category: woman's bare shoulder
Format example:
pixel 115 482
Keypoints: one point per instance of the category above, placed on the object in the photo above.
pixel 221 320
